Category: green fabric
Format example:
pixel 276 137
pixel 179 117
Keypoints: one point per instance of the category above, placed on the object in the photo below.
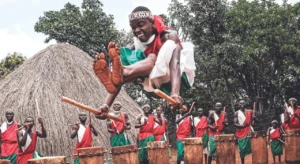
pixel 244 145
pixel 76 161
pixel 129 57
pixel 143 154
pixel 205 140
pixel 180 150
pixel 276 147
pixel 12 158
pixel 36 155
pixel 211 146
pixel 119 140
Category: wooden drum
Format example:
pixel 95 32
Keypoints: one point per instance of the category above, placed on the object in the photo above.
pixel 48 160
pixel 125 154
pixel 91 155
pixel 259 146
pixel 3 161
pixel 193 149
pixel 158 152
pixel 292 147
pixel 225 149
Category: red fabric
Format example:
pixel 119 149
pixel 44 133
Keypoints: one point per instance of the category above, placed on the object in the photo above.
pixel 275 134
pixel 159 131
pixel 9 144
pixel 284 126
pixel 220 126
pixel 86 139
pixel 201 127
pixel 147 130
pixel 119 125
pixel 294 122
pixel 23 157
pixel 241 133
pixel 184 129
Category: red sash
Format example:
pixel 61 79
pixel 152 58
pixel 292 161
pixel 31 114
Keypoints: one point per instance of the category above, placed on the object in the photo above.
pixel 147 130
pixel 294 122
pixel 86 139
pixel 241 133
pixel 9 144
pixel 201 127
pixel 159 131
pixel 220 125
pixel 23 157
pixel 275 134
pixel 184 129
pixel 119 125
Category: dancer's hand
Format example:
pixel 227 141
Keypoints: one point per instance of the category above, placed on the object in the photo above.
pixel 179 102
pixel 103 111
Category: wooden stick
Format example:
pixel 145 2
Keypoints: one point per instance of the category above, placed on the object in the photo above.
pixel 254 110
pixel 37 108
pixel 90 119
pixel 89 109
pixel 192 106
pixel 168 98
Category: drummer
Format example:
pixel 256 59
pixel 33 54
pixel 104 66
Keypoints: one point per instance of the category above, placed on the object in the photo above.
pixel 275 140
pixel 83 132
pixel 292 115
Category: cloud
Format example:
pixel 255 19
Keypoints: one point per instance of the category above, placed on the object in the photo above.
pixel 18 41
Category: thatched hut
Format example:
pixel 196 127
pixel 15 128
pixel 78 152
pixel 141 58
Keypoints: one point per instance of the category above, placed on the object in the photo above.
pixel 59 70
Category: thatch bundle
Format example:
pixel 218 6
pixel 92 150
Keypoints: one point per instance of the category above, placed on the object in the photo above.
pixel 59 70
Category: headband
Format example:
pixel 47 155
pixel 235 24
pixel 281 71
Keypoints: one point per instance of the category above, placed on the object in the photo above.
pixel 139 15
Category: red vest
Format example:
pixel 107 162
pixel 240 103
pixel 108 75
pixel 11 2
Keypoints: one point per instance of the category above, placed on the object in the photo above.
pixel 86 139
pixel 119 125
pixel 294 122
pixel 275 134
pixel 159 131
pixel 220 125
pixel 242 133
pixel 9 138
pixel 184 129
pixel 23 157
pixel 147 130
pixel 201 127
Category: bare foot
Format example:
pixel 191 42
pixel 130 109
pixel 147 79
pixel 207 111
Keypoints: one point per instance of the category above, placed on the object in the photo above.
pixel 114 54
pixel 102 71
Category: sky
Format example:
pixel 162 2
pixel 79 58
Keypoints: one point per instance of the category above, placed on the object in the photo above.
pixel 18 17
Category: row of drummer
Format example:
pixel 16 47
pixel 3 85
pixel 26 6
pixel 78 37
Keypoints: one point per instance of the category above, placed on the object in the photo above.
pixel 18 143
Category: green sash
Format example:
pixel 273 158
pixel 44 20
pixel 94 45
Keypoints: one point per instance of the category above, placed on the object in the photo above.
pixel 180 150
pixel 244 145
pixel 76 161
pixel 212 146
pixel 276 147
pixel 205 140
pixel 143 154
pixel 129 57
pixel 12 158
pixel 119 140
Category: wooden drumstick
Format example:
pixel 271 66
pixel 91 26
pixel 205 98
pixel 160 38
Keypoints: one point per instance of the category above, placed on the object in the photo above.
pixel 89 109
pixel 254 111
pixel 168 98
pixel 37 108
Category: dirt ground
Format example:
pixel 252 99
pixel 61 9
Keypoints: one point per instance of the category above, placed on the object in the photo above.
pixel 248 159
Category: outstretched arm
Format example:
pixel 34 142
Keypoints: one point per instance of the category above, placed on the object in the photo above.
pixel 183 117
pixel 44 133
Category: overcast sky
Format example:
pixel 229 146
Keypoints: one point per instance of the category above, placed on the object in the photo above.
pixel 17 19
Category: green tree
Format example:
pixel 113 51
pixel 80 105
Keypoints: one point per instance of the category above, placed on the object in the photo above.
pixel 88 27
pixel 10 63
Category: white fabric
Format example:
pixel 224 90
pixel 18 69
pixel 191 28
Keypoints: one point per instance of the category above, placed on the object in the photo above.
pixel 143 119
pixel 196 120
pixel 272 130
pixel 80 132
pixel 290 109
pixel 282 118
pixel 155 125
pixel 241 117
pixel 142 45
pixel 3 127
pixel 216 117
pixel 160 73
pixel 28 141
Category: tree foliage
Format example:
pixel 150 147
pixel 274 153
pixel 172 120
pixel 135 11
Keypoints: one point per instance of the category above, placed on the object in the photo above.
pixel 10 63
pixel 87 27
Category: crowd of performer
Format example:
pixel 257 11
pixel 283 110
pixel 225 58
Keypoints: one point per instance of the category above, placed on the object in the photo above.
pixel 18 142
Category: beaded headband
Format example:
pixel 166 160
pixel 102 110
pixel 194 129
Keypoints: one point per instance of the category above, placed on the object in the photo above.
pixel 140 14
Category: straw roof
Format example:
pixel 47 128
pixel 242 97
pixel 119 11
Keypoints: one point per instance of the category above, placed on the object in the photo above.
pixel 59 70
